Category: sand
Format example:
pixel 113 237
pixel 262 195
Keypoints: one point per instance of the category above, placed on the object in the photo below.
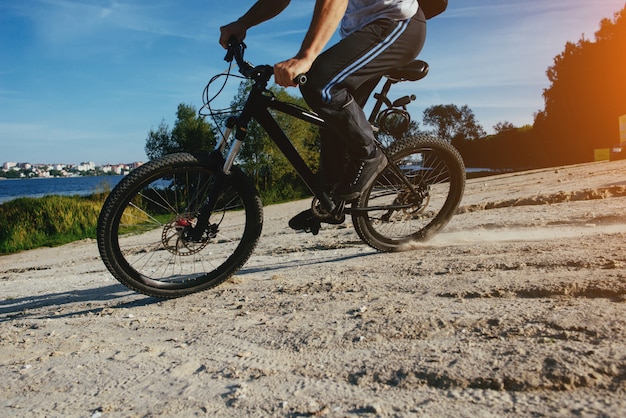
pixel 517 308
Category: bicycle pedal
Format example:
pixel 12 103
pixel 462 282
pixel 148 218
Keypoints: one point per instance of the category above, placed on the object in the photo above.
pixel 307 221
pixel 314 228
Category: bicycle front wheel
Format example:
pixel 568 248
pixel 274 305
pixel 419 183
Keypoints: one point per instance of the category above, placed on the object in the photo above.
pixel 390 215
pixel 144 227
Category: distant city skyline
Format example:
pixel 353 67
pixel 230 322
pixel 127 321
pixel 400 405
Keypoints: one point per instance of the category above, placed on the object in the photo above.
pixel 25 169
pixel 89 80
pixel 6 165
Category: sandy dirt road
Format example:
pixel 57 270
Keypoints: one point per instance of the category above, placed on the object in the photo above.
pixel 516 309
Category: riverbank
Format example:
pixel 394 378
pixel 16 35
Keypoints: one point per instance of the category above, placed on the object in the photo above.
pixel 516 309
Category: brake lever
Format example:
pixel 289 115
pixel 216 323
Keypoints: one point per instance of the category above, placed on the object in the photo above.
pixel 235 50
pixel 229 55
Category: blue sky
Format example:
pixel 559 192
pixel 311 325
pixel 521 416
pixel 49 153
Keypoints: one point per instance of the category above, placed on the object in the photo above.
pixel 85 80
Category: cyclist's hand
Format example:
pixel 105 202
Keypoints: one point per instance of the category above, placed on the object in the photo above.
pixel 235 29
pixel 285 72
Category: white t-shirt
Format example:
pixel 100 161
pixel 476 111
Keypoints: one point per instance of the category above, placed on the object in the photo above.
pixel 362 12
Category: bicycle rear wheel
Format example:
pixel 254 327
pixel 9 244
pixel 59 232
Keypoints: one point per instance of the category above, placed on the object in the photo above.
pixel 389 216
pixel 143 228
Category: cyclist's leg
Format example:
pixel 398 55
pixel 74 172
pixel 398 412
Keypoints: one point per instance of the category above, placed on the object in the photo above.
pixel 333 152
pixel 333 158
pixel 340 79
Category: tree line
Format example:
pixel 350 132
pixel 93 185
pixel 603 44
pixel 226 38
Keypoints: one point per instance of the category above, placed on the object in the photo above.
pixel 582 106
pixel 586 96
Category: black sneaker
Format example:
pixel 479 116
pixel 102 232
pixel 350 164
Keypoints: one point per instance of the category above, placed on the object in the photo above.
pixel 359 176
pixel 307 221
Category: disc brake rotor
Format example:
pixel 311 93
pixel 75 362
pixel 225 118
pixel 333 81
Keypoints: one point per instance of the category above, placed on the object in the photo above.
pixel 174 237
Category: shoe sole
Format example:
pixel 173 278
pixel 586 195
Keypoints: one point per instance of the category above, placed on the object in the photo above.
pixel 307 222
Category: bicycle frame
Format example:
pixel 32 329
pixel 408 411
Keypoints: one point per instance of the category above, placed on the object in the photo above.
pixel 257 107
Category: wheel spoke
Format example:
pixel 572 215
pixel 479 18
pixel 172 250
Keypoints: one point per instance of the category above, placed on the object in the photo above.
pixel 391 214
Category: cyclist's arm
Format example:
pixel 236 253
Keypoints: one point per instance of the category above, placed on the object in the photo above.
pixel 261 11
pixel 326 18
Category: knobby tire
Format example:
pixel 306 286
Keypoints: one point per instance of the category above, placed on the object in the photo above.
pixel 142 227
pixel 389 217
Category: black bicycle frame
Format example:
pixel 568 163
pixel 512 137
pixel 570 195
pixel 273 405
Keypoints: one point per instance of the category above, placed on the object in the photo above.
pixel 258 107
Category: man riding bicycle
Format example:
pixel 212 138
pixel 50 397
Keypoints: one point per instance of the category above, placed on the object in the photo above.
pixel 376 36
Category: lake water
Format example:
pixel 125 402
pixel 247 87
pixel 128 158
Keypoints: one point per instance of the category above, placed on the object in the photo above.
pixel 37 187
pixel 68 186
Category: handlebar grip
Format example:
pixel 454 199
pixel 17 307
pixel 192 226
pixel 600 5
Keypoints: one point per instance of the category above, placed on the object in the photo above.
pixel 300 79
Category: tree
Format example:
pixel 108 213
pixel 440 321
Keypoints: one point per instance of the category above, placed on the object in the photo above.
pixel 191 133
pixel 259 157
pixel 262 159
pixel 586 95
pixel 453 123
pixel 511 148
pixel 504 126
pixel 160 142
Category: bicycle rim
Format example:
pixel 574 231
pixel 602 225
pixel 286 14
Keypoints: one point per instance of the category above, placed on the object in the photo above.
pixel 390 217
pixel 143 228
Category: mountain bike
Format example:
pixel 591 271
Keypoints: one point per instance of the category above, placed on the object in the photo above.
pixel 186 222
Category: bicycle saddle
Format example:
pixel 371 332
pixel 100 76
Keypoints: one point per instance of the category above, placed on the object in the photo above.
pixel 413 71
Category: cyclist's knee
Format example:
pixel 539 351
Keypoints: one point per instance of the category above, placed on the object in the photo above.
pixel 322 100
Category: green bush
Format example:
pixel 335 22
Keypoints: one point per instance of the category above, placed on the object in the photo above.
pixel 28 223
pixel 284 192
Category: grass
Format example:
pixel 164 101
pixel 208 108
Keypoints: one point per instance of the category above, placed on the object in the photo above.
pixel 28 223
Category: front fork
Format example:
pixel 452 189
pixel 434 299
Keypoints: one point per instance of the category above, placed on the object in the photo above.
pixel 222 169
pixel 234 148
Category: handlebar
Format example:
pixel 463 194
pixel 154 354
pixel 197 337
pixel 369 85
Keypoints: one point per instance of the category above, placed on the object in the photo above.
pixel 300 79
pixel 236 50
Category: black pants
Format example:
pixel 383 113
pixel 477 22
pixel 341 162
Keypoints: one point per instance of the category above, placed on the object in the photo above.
pixel 343 77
